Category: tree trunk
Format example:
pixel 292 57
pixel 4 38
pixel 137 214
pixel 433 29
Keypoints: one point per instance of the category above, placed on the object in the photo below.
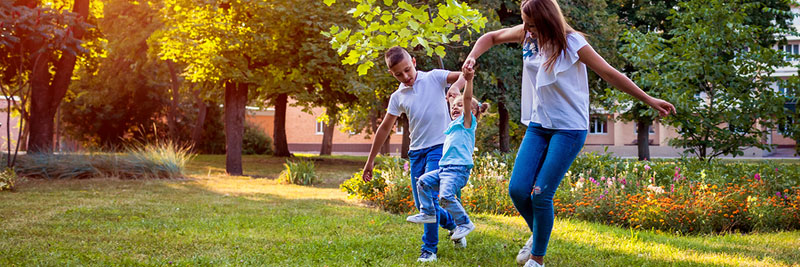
pixel 643 138
pixel 502 125
pixel 46 95
pixel 406 137
pixel 173 107
pixel 235 101
pixel 279 134
pixel 202 109
pixel 386 147
pixel 327 136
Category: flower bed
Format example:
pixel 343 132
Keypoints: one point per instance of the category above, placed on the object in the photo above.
pixel 684 195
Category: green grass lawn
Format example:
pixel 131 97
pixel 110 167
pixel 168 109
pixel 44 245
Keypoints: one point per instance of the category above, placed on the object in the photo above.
pixel 214 219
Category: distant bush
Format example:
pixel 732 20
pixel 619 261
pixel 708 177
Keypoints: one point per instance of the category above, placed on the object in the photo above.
pixel 159 160
pixel 255 141
pixel 299 172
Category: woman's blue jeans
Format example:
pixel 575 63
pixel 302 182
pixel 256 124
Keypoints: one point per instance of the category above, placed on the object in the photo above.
pixel 542 161
pixel 420 162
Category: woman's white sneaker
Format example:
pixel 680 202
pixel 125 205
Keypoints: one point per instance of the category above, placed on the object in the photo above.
pixel 533 263
pixel 525 252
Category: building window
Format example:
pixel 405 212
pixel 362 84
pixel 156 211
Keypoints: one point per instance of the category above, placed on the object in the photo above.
pixel 791 50
pixel 785 91
pixel 598 125
pixel 320 127
pixel 398 128
pixel 651 130
pixel 786 127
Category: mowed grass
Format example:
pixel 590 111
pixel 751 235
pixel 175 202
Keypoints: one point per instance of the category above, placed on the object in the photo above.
pixel 215 219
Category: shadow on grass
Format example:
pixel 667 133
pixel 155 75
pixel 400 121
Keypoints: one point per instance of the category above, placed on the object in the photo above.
pixel 332 170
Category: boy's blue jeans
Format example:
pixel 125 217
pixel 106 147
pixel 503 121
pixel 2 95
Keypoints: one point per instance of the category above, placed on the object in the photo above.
pixel 420 162
pixel 542 161
pixel 447 181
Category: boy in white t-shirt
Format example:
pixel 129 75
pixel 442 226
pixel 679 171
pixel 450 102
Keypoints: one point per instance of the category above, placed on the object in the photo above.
pixel 421 96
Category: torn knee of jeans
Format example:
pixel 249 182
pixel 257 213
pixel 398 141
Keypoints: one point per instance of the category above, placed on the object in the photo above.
pixel 537 190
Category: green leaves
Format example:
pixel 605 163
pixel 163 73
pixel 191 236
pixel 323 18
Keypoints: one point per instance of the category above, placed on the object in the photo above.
pixel 407 24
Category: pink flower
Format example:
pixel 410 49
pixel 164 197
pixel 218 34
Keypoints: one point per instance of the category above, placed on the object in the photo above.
pixel 623 181
pixel 672 189
pixel 405 166
pixel 757 177
pixel 646 167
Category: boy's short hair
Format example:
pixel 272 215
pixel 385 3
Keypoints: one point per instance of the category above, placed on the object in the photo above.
pixel 395 55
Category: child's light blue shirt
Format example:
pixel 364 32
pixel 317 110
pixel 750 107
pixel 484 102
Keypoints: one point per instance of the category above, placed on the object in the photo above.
pixel 459 143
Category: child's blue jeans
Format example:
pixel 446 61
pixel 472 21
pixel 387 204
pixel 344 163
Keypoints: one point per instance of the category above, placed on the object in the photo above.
pixel 447 181
pixel 542 161
pixel 420 162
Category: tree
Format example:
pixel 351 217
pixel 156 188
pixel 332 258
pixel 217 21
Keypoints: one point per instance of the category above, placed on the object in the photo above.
pixel 719 71
pixel 48 89
pixel 328 84
pixel 230 43
pixel 120 96
pixel 23 27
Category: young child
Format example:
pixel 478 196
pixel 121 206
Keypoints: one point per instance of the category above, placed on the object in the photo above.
pixel 421 96
pixel 455 165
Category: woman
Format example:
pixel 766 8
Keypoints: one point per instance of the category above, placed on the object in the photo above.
pixel 555 106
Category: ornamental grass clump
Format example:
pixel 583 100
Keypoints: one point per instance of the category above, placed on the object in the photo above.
pixel 160 160
pixel 299 172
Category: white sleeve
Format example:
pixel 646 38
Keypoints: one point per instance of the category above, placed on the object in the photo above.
pixel 394 107
pixel 440 76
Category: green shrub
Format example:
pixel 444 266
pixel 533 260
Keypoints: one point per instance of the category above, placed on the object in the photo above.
pixel 7 179
pixel 255 141
pixel 299 172
pixel 158 160
pixel 389 189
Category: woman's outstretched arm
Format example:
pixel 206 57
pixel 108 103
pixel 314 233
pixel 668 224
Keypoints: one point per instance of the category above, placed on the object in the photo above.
pixel 594 61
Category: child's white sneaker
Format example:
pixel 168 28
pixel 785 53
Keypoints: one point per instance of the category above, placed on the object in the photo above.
pixel 462 231
pixel 525 252
pixel 426 256
pixel 421 218
pixel 459 243
pixel 533 263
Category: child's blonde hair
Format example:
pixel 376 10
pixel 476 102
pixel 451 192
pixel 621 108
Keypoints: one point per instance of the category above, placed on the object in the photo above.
pixel 477 106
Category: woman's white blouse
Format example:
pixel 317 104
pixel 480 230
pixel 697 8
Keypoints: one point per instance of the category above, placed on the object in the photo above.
pixel 557 99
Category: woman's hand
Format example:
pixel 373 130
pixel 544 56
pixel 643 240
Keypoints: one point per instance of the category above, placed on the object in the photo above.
pixel 664 108
pixel 468 72
pixel 469 64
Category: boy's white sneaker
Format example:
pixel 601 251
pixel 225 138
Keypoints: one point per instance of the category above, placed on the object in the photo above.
pixel 525 252
pixel 459 243
pixel 426 256
pixel 421 218
pixel 462 231
pixel 533 263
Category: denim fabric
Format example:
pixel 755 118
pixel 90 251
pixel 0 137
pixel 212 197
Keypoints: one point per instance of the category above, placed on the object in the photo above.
pixel 542 161
pixel 422 161
pixel 447 180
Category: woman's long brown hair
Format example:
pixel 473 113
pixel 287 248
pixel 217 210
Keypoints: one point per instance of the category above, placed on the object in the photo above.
pixel 551 28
